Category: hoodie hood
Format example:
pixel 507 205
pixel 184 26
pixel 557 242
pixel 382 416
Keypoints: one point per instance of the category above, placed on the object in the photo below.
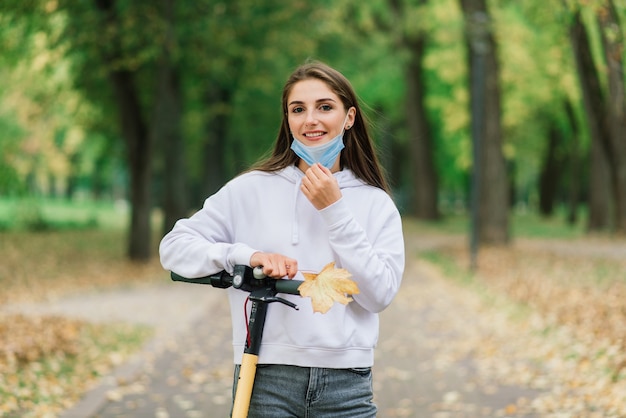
pixel 293 174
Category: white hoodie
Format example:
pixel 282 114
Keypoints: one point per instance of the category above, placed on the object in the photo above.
pixel 258 211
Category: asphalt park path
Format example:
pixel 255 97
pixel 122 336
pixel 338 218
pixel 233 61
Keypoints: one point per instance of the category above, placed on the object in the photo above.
pixel 425 364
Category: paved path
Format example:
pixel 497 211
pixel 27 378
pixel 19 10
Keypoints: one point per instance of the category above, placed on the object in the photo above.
pixel 424 363
pixel 187 373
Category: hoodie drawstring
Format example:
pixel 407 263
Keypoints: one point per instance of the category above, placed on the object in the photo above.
pixel 295 231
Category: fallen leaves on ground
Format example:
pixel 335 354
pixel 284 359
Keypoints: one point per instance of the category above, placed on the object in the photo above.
pixel 46 363
pixel 568 341
pixel 329 286
pixel 26 339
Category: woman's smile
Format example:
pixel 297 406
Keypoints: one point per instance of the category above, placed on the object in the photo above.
pixel 315 135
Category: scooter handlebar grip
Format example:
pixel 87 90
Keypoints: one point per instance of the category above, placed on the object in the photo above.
pixel 201 280
pixel 288 286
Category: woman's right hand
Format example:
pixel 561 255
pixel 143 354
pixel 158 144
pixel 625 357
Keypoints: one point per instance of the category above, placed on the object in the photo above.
pixel 275 265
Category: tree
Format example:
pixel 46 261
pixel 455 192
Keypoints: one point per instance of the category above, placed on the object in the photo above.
pixel 166 127
pixel 575 173
pixel 134 129
pixel 492 198
pixel 218 99
pixel 612 42
pixel 595 111
pixel 204 94
pixel 138 78
pixel 549 177
pixel 38 104
pixel 425 181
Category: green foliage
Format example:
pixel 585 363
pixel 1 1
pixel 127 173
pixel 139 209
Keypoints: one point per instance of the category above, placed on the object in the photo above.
pixel 38 215
pixel 41 135
pixel 538 77
pixel 448 97
pixel 10 137
pixel 60 127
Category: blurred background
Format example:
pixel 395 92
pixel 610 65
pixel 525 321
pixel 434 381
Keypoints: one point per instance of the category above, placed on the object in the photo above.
pixel 141 108
pixel 501 120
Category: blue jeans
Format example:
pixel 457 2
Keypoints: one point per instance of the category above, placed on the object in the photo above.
pixel 301 392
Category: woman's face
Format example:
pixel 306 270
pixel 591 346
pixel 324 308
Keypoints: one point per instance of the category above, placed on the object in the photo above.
pixel 315 113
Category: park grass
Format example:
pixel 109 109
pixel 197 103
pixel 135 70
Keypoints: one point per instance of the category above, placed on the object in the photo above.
pixel 38 214
pixel 523 224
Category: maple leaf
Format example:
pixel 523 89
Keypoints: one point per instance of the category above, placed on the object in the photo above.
pixel 329 286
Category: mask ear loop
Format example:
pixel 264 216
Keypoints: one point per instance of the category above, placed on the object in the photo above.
pixel 344 128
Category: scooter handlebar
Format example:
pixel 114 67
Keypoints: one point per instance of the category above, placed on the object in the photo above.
pixel 244 278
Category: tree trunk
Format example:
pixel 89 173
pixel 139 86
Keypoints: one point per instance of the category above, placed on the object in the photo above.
pixel 424 178
pixel 594 104
pixel 167 132
pixel 425 181
pixel 574 167
pixel 139 149
pixel 166 129
pixel 138 144
pixel 218 100
pixel 73 177
pixel 599 190
pixel 549 178
pixel 493 188
pixel 612 40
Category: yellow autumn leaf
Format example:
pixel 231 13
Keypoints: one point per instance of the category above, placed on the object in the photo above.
pixel 329 286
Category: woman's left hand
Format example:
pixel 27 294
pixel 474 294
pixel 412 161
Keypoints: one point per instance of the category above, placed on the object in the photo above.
pixel 320 186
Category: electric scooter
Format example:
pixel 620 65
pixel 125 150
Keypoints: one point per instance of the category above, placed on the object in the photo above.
pixel 263 291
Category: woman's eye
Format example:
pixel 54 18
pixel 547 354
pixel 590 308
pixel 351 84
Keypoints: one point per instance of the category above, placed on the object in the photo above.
pixel 326 107
pixel 297 110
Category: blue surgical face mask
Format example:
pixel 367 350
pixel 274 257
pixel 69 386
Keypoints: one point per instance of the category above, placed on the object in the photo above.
pixel 325 154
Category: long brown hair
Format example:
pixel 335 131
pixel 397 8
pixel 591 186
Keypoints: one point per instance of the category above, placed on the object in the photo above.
pixel 358 155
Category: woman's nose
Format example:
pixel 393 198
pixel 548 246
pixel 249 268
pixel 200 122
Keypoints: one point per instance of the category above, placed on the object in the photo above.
pixel 311 118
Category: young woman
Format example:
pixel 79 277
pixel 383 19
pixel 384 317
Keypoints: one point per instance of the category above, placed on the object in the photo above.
pixel 320 197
